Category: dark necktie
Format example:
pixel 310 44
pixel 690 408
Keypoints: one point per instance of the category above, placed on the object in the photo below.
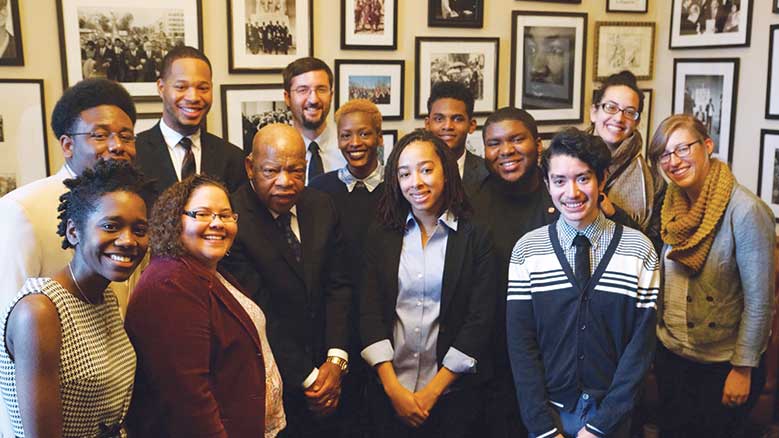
pixel 188 164
pixel 582 260
pixel 359 186
pixel 283 221
pixel 315 166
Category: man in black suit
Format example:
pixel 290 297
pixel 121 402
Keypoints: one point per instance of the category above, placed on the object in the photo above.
pixel 177 146
pixel 289 254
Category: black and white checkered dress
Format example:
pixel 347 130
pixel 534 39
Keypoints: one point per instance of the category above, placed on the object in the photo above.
pixel 97 363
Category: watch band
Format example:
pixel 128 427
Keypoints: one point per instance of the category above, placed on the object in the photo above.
pixel 340 362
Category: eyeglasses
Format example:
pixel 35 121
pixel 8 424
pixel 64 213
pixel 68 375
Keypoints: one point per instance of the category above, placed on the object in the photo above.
pixel 681 151
pixel 306 91
pixel 612 108
pixel 208 216
pixel 102 136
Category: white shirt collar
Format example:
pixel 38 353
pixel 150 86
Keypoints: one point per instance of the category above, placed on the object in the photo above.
pixel 461 163
pixel 173 137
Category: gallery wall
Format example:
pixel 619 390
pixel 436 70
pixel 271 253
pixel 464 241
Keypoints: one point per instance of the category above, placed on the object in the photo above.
pixel 42 60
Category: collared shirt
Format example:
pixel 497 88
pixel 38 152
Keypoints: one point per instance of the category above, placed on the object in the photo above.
pixel 293 220
pixel 69 170
pixel 176 151
pixel 418 307
pixel 332 158
pixel 599 233
pixel 461 164
pixel 371 182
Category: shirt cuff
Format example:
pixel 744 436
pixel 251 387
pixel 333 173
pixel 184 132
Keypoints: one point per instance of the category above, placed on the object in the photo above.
pixel 594 430
pixel 378 352
pixel 548 434
pixel 337 352
pixel 311 378
pixel 459 362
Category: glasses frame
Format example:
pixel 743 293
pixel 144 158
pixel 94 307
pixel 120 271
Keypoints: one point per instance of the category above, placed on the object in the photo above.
pixel 193 215
pixel 665 157
pixel 110 134
pixel 619 110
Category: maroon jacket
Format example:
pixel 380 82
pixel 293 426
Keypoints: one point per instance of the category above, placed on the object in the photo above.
pixel 200 365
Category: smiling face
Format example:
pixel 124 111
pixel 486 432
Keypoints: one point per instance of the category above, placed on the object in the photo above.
pixel 614 128
pixel 186 93
pixel 81 151
pixel 359 140
pixel 574 189
pixel 510 149
pixel 309 98
pixel 208 242
pixel 689 173
pixel 421 179
pixel 449 121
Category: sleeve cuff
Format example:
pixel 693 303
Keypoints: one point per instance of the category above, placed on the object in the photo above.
pixel 337 352
pixel 378 352
pixel 548 434
pixel 594 430
pixel 459 362
pixel 311 378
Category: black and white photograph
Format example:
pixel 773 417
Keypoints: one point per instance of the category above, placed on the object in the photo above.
pixel 776 6
pixel 624 46
pixel 547 65
pixel 248 107
pixel 772 93
pixel 455 13
pixel 125 43
pixel 645 124
pixel 706 89
pixel 710 23
pixel 389 137
pixel 768 170
pixel 369 24
pixel 471 61
pixel 637 6
pixel 11 52
pixel 24 154
pixel 475 142
pixel 266 35
pixel 381 82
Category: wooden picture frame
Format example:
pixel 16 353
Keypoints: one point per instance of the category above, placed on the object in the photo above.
pixel 694 29
pixel 248 107
pixel 464 13
pixel 768 170
pixel 368 28
pixel 628 6
pixel 621 45
pixel 380 81
pixel 13 53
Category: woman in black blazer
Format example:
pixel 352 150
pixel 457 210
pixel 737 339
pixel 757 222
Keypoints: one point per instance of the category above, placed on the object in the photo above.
pixel 427 297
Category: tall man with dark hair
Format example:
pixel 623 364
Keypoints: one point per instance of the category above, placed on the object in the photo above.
pixel 581 303
pixel 178 146
pixel 308 92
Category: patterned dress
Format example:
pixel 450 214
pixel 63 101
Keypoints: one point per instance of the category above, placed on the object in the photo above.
pixel 97 363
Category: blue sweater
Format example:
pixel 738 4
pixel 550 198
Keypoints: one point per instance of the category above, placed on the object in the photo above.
pixel 564 341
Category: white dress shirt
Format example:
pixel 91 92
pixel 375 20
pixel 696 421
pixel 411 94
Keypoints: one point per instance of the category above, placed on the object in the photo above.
pixel 332 158
pixel 177 151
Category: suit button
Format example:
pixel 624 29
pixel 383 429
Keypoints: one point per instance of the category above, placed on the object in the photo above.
pixel 690 325
pixel 581 357
pixel 712 324
pixel 710 299
pixel 689 299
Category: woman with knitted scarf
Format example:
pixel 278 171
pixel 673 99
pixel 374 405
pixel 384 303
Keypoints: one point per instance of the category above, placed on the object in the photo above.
pixel 718 282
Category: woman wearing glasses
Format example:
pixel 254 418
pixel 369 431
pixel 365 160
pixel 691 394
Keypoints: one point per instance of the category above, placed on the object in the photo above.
pixel 630 183
pixel 204 362
pixel 718 283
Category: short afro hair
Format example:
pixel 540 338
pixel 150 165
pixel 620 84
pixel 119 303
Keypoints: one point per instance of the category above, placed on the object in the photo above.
pixel 511 113
pixel 451 90
pixel 182 52
pixel 87 94
pixel 589 149
pixel 305 65
pixel 360 106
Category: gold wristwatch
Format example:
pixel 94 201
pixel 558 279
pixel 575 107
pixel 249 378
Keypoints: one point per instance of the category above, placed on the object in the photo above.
pixel 340 362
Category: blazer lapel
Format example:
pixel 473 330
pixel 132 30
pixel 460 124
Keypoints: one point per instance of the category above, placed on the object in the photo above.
pixel 455 255
pixel 393 243
pixel 160 157
pixel 210 159
pixel 309 236
pixel 229 301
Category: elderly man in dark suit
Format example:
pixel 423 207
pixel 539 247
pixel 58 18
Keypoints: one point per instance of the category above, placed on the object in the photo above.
pixel 289 253
pixel 177 146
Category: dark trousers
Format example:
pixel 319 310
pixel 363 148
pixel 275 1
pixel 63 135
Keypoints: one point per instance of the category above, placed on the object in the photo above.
pixel 301 422
pixel 455 415
pixel 501 417
pixel 691 397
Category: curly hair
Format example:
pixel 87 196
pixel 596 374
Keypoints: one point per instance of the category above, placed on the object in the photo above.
pixel 451 90
pixel 361 106
pixel 85 190
pixel 393 208
pixel 589 149
pixel 624 78
pixel 165 222
pixel 87 94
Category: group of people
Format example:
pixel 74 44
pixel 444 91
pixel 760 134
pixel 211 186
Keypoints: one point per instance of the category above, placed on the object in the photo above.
pixel 307 290
pixel 368 15
pixel 137 60
pixel 268 37
pixel 710 16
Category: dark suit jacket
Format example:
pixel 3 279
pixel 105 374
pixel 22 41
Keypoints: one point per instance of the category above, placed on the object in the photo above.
pixel 467 295
pixel 307 304
pixel 219 159
pixel 474 173
pixel 200 365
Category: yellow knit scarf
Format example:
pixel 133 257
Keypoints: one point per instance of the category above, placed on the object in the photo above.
pixel 689 229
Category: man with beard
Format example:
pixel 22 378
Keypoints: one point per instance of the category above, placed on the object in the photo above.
pixel 308 91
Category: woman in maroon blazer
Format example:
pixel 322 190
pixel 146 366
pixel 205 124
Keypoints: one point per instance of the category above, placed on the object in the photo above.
pixel 205 368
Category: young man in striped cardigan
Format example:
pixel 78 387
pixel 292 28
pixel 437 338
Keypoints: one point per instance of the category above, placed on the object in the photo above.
pixel 581 306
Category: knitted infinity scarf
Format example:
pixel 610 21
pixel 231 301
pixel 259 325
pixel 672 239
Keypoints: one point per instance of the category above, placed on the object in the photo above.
pixel 622 156
pixel 690 229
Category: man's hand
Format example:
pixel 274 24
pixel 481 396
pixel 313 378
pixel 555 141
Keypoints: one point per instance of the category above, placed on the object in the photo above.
pixel 584 433
pixel 322 396
pixel 406 406
pixel 426 398
pixel 736 390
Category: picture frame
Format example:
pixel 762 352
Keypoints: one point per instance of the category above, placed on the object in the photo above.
pixel 82 26
pixel 707 88
pixel 696 29
pixel 380 81
pixel 768 170
pixel 475 142
pixel 645 124
pixel 554 94
pixel 256 41
pixel 473 61
pixel 390 137
pixel 776 6
pixel 557 1
pixel 13 53
pixel 463 13
pixel 146 121
pixel 373 27
pixel 630 6
pixel 772 94
pixel 24 152
pixel 248 107
pixel 621 45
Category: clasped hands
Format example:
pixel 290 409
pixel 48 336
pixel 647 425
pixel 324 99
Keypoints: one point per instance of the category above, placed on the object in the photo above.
pixel 323 395
pixel 412 408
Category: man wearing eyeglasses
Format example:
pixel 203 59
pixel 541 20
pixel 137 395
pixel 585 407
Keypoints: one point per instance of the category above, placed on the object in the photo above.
pixel 308 91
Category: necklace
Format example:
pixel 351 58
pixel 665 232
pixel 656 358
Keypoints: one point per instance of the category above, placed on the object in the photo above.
pixel 83 295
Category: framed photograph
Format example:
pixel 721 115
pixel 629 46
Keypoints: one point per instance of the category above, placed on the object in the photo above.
pixel 266 35
pixel 776 6
pixel 471 61
pixel 768 170
pixel 716 24
pixel 124 41
pixel 706 88
pixel 10 35
pixel 645 124
pixel 455 13
pixel 475 142
pixel 381 82
pixel 624 46
pixel 248 107
pixel 24 154
pixel 369 24
pixel 772 95
pixel 637 6
pixel 390 137
pixel 558 1
pixel 146 121
pixel 547 65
